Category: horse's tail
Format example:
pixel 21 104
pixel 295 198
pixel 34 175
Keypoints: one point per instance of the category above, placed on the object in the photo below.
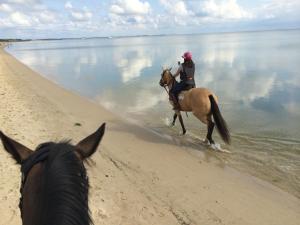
pixel 220 122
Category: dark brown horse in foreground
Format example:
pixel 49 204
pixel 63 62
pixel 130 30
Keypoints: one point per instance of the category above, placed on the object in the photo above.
pixel 203 103
pixel 54 188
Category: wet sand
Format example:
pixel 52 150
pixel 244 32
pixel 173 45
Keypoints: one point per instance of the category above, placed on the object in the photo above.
pixel 138 178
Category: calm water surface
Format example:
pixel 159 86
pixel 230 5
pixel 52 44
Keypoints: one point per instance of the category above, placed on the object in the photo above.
pixel 256 76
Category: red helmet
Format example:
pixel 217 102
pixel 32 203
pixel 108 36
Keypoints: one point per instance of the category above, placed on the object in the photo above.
pixel 187 55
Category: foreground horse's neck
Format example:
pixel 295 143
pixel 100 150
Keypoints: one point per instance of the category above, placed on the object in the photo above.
pixel 63 190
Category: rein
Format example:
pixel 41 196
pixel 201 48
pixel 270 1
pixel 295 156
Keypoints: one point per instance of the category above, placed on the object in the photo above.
pixel 166 90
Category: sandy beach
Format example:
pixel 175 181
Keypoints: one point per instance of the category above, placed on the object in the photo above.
pixel 137 177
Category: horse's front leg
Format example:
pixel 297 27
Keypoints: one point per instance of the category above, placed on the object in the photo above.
pixel 181 122
pixel 174 119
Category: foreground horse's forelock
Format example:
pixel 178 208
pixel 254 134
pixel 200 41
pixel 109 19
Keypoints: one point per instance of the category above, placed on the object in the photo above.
pixel 54 188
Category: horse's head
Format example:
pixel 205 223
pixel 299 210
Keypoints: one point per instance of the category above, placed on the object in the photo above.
pixel 166 77
pixel 54 184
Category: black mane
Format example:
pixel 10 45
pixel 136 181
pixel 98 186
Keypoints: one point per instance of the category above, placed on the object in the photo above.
pixel 64 190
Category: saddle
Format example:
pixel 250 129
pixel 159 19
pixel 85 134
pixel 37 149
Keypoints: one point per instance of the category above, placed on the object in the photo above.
pixel 181 95
pixel 186 89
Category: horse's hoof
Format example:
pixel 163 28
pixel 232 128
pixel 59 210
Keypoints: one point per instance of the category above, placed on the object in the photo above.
pixel 184 132
pixel 206 142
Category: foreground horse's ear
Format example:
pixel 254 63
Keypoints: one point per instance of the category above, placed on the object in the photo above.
pixel 89 145
pixel 18 151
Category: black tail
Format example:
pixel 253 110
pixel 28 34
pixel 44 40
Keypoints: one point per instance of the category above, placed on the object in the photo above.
pixel 220 122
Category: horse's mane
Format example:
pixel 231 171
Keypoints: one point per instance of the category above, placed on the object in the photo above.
pixel 64 190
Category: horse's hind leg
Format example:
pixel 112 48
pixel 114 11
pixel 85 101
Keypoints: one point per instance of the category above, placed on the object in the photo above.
pixel 174 119
pixel 206 119
pixel 210 129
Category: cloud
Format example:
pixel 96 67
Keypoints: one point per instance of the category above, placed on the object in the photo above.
pixel 176 7
pixel 24 1
pixel 277 8
pixel 130 7
pixel 5 7
pixel 181 9
pixel 134 13
pixel 225 9
pixel 198 12
pixel 47 17
pixel 68 5
pixel 26 15
pixel 20 19
pixel 78 15
pixel 131 17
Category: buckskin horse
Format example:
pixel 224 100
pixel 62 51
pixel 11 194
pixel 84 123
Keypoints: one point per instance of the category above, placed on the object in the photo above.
pixel 54 187
pixel 204 105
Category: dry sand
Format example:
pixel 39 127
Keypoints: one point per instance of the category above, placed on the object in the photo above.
pixel 137 178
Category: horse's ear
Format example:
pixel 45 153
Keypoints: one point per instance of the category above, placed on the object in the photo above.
pixel 88 145
pixel 18 151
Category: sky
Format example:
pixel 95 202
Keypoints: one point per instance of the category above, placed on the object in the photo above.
pixel 97 18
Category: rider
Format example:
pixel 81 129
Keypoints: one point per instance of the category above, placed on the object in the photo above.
pixel 186 71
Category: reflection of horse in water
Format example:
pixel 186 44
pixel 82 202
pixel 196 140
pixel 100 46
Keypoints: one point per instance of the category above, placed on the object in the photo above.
pixel 54 188
pixel 203 103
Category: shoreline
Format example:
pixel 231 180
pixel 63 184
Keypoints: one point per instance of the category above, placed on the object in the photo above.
pixel 139 177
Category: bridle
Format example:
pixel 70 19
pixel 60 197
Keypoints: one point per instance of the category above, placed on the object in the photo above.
pixel 172 80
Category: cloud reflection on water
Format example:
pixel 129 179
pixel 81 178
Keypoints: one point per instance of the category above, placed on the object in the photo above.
pixel 131 61
pixel 246 70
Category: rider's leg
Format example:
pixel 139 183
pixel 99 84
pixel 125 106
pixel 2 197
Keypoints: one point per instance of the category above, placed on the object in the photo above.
pixel 174 97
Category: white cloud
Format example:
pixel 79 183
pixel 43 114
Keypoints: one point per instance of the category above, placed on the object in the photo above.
pixel 278 8
pixel 20 19
pixel 78 15
pixel 81 15
pixel 225 9
pixel 185 13
pixel 5 7
pixel 181 9
pixel 46 17
pixel 132 13
pixel 68 5
pixel 24 2
pixel 131 17
pixel 176 7
pixel 130 7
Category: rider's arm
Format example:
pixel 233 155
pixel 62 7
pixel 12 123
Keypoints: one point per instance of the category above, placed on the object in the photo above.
pixel 178 71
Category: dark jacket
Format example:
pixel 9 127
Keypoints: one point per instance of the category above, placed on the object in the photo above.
pixel 187 73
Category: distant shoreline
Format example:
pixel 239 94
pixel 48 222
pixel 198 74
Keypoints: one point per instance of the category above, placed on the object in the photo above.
pixel 143 35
